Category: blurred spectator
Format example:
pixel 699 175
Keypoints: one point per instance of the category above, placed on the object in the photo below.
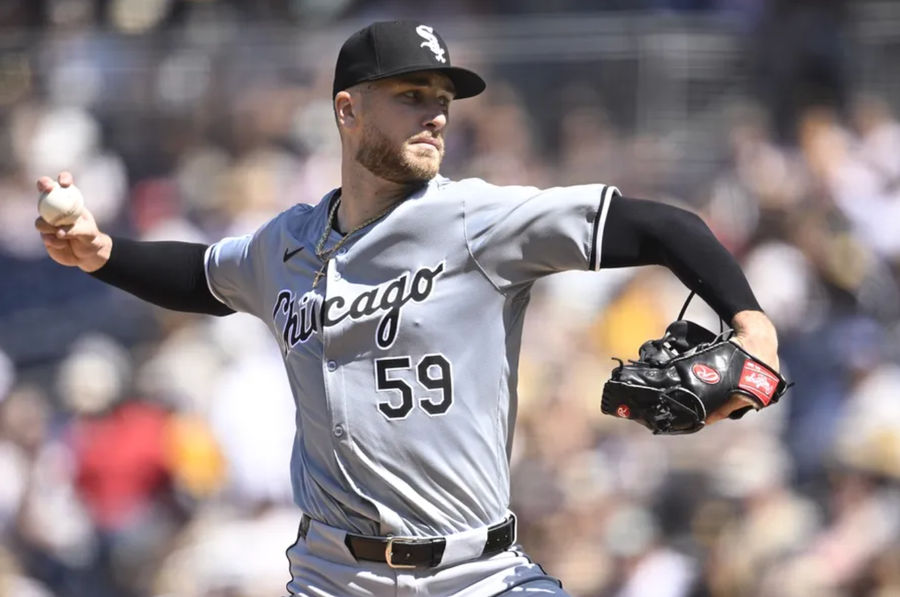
pixel 121 472
pixel 801 50
pixel 44 521
pixel 253 411
pixel 647 567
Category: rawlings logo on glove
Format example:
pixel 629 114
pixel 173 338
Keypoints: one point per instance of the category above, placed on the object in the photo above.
pixel 685 376
pixel 707 374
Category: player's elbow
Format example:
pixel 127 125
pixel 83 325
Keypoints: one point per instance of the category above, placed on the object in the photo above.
pixel 677 222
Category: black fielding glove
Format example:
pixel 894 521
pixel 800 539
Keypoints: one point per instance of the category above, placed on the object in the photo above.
pixel 685 376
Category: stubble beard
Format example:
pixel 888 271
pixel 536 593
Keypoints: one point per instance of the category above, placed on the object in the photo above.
pixel 383 159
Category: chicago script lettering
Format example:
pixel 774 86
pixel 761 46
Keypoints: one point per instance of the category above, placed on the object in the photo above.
pixel 300 318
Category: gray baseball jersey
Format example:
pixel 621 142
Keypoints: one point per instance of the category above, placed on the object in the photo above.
pixel 403 359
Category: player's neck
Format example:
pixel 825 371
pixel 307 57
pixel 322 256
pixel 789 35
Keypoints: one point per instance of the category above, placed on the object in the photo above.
pixel 365 196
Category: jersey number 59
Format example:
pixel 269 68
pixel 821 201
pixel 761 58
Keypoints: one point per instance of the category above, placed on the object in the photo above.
pixel 432 373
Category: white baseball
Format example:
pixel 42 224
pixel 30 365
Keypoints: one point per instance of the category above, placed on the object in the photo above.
pixel 61 206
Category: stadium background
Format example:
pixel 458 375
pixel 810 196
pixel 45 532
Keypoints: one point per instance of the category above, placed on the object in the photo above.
pixel 145 453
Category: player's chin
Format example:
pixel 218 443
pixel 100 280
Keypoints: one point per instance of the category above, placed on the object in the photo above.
pixel 425 164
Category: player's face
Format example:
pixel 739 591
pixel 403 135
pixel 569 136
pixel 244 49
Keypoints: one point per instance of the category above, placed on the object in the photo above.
pixel 403 123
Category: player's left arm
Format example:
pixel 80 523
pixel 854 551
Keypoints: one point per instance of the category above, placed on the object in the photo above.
pixel 640 232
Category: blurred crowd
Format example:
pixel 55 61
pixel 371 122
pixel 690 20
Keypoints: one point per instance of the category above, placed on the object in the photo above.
pixel 144 453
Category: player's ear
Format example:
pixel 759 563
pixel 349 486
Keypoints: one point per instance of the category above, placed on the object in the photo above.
pixel 344 110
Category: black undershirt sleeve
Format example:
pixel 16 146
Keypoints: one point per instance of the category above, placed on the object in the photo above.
pixel 640 232
pixel 168 274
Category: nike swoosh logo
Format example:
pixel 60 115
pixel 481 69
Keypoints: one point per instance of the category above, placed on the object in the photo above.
pixel 288 253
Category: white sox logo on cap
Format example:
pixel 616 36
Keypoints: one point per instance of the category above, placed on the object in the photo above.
pixel 391 48
pixel 431 42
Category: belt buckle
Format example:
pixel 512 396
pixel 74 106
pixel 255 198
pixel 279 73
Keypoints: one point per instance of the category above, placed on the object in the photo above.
pixel 389 554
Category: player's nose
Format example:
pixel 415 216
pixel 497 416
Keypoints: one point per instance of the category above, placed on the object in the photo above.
pixel 435 121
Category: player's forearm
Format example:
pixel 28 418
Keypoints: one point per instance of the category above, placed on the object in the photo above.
pixel 167 274
pixel 641 232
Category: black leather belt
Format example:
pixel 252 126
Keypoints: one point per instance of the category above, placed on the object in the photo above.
pixel 417 552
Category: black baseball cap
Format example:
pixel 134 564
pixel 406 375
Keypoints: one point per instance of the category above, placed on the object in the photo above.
pixel 390 48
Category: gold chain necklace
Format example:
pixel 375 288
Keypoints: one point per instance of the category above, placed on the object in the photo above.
pixel 324 255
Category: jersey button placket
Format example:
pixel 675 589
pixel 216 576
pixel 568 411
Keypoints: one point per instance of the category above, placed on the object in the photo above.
pixel 333 370
pixel 333 382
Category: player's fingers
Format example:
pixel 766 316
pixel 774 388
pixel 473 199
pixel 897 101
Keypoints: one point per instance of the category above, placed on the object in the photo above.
pixel 68 231
pixel 51 242
pixel 56 231
pixel 44 184
pixel 735 402
pixel 65 178
pixel 44 227
pixel 82 229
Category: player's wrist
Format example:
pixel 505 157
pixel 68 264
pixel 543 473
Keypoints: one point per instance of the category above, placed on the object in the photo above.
pixel 749 322
pixel 756 334
pixel 99 254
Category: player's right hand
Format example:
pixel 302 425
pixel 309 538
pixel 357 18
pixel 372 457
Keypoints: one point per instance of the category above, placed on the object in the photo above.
pixel 80 244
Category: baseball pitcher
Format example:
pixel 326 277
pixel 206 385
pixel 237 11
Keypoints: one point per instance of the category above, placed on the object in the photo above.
pixel 398 302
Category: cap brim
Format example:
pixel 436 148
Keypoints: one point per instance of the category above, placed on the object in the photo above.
pixel 465 82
